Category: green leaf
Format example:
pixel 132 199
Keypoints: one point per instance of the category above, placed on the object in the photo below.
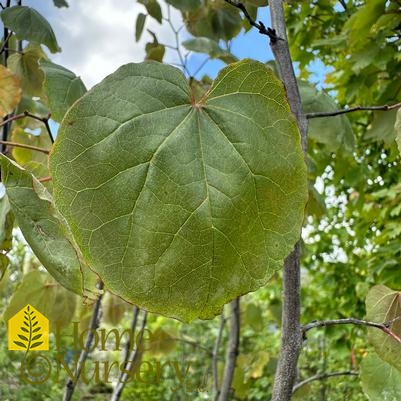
pixel 45 295
pixel 60 3
pixel 29 25
pixel 6 225
pixel 154 51
pixel 26 67
pixel 210 47
pixel 334 132
pixel 62 88
pixel 181 206
pixel 184 5
pixel 153 8
pixel 380 380
pixel 36 344
pixel 383 305
pixel 42 226
pixel 397 128
pixel 139 25
pixel 383 127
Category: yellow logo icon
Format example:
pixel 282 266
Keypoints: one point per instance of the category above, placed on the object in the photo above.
pixel 28 330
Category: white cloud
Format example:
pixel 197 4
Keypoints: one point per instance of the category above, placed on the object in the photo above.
pixel 97 37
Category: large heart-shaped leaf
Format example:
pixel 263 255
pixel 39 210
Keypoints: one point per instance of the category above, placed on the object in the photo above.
pixel 182 205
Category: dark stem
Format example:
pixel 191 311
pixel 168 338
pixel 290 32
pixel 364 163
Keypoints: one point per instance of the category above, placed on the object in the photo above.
pixel 127 345
pixel 323 376
pixel 94 324
pixel 232 351
pixel 260 26
pixel 291 333
pixel 44 120
pixel 385 327
pixel 6 36
pixel 385 107
pixel 130 365
pixel 215 357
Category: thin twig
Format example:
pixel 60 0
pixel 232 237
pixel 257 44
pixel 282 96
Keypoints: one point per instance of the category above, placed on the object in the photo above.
pixel 177 40
pixel 45 179
pixel 386 107
pixel 385 327
pixel 133 357
pixel 215 357
pixel 22 145
pixel 127 345
pixel 232 351
pixel 323 376
pixel 94 324
pixel 44 120
pixel 260 26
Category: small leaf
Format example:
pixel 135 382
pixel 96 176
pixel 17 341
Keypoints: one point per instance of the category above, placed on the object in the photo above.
pixel 44 228
pixel 36 337
pixel 29 25
pixel 153 8
pixel 154 51
pixel 140 23
pixel 60 3
pixel 383 305
pixel 22 337
pixel 26 324
pixel 26 67
pixel 36 344
pixel 34 324
pixel 24 330
pixel 10 91
pixel 62 88
pixel 20 344
pixel 35 330
pixel 334 132
pixel 210 47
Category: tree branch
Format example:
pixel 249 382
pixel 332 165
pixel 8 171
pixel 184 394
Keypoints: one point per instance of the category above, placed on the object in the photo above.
pixel 232 351
pixel 386 107
pixel 215 357
pixel 291 333
pixel 94 324
pixel 385 327
pixel 133 357
pixel 271 33
pixel 323 376
pixel 44 120
pixel 22 145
